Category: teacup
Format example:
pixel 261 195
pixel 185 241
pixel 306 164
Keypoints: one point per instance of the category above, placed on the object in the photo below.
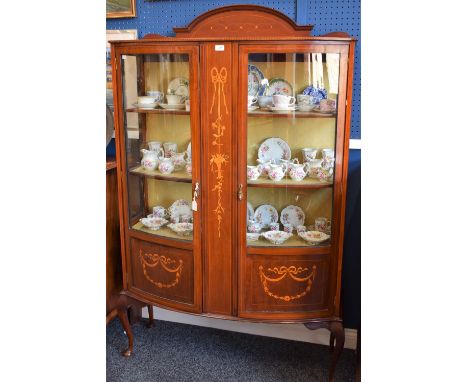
pixel 301 228
pixel 159 212
pixel 286 163
pixel 169 149
pixel 264 165
pixel 265 101
pixel 283 101
pixel 174 219
pixel 327 104
pixel 322 224
pixel 253 172
pixel 304 100
pixel 328 153
pixel 156 94
pixel 288 228
pixel 254 227
pixel 175 99
pixel 146 100
pixel 314 166
pixel 185 218
pixel 309 154
pixel 274 226
pixel 251 100
pixel 179 160
pixel 155 146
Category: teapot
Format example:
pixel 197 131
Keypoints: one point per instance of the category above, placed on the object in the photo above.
pixel 178 159
pixel 150 159
pixel 298 171
pixel 276 172
pixel 253 172
pixel 166 166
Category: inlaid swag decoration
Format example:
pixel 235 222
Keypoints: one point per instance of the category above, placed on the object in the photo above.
pixel 149 260
pixel 277 274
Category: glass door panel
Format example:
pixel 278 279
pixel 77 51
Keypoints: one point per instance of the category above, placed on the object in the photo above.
pixel 158 128
pixel 291 134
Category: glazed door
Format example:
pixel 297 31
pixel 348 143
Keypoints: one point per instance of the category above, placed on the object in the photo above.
pixel 291 114
pixel 160 149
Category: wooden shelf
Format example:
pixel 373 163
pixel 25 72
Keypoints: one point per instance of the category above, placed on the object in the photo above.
pixel 292 114
pixel 293 241
pixel 164 232
pixel 289 183
pixel 158 111
pixel 176 176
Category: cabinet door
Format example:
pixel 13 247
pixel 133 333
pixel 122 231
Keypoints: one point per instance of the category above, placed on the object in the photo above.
pixel 159 150
pixel 291 114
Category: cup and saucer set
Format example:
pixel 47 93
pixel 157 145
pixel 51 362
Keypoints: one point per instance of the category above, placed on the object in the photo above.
pixel 177 97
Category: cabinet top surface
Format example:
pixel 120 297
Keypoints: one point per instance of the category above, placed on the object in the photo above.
pixel 242 23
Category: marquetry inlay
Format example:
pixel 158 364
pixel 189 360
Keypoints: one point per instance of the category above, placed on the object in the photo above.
pixel 153 260
pixel 283 271
pixel 219 159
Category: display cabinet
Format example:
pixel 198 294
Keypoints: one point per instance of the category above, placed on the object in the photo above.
pixel 232 160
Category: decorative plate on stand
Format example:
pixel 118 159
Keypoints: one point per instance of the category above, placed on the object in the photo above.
pixel 250 212
pixel 180 207
pixel 274 149
pixel 255 77
pixel 292 215
pixel 266 214
pixel 179 86
pixel 279 86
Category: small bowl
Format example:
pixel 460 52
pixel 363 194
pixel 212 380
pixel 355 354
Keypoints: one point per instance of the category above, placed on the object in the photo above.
pixel 153 223
pixel 251 236
pixel 276 237
pixel 314 237
pixel 181 229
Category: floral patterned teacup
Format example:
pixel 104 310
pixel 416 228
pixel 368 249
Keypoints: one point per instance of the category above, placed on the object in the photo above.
pixel 179 160
pixel 274 226
pixel 309 153
pixel 166 166
pixel 328 154
pixel 185 218
pixel 276 172
pixel 298 171
pixel 322 224
pixel 288 228
pixel 286 163
pixel 253 172
pixel 169 149
pixel 264 165
pixel 301 228
pixel 175 219
pixel 254 227
pixel 159 212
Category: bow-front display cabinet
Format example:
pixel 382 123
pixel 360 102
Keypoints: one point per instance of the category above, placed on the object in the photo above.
pixel 232 158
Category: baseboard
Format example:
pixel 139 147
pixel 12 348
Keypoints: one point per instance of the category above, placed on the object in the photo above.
pixel 295 332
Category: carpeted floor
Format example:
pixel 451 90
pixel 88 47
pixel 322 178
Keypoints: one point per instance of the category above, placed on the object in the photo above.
pixel 177 352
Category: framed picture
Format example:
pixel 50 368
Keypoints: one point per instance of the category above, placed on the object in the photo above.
pixel 120 8
pixel 126 34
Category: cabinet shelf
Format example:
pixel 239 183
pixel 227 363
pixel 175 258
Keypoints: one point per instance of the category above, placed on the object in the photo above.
pixel 289 183
pixel 176 176
pixel 292 114
pixel 164 232
pixel 293 241
pixel 158 111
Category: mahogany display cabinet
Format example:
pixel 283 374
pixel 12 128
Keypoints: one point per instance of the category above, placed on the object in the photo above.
pixel 192 113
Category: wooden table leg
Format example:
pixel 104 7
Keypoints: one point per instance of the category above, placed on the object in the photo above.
pixel 337 333
pixel 123 316
pixel 150 316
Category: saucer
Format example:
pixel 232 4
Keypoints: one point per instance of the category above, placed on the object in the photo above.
pixel 176 106
pixel 145 105
pixel 306 108
pixel 252 108
pixel 282 109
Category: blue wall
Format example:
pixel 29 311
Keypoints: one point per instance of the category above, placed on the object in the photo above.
pixel 326 16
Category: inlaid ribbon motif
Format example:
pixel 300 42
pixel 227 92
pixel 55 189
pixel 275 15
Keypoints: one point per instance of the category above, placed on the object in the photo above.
pixel 283 271
pixel 219 159
pixel 153 260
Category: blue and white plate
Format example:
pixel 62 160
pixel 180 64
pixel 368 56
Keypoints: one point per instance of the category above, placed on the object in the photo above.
pixel 255 77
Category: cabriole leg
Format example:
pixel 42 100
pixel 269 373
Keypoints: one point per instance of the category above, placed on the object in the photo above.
pixel 337 334
pixel 123 316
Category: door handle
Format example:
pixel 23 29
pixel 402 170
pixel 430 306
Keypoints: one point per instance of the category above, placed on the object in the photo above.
pixel 240 192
